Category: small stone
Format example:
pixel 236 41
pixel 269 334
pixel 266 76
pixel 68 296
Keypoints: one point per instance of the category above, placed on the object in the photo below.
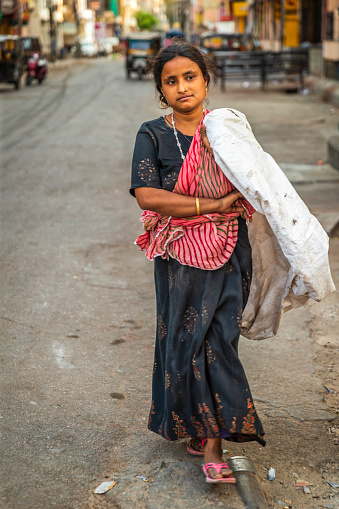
pixel 307 490
pixel 117 395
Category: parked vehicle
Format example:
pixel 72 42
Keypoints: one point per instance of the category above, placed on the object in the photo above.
pixel 214 41
pixel 108 44
pixel 11 60
pixel 172 34
pixel 89 48
pixel 140 49
pixel 31 45
pixel 37 69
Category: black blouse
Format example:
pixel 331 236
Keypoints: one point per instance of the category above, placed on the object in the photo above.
pixel 156 158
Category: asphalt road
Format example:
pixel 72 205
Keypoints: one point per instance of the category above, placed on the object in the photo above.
pixel 78 310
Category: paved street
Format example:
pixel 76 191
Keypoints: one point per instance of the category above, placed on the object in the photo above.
pixel 78 308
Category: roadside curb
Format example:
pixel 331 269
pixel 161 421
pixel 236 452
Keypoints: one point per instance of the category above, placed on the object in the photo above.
pixel 333 151
pixel 328 91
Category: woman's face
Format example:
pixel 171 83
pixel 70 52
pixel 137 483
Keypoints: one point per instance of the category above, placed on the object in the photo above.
pixel 183 84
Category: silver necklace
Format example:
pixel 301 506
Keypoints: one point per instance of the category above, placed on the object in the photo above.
pixel 176 137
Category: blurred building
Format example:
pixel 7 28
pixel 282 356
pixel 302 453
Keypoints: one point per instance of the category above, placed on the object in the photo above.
pixel 330 38
pixel 14 16
pixel 285 22
pixel 60 24
pixel 225 16
pixel 289 23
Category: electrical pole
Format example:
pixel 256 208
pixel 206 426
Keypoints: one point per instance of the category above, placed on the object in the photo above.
pixel 18 4
pixel 52 29
pixel 282 35
pixel 188 20
pixel 77 25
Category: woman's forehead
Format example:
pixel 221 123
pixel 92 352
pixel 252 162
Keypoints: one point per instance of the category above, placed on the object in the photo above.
pixel 179 66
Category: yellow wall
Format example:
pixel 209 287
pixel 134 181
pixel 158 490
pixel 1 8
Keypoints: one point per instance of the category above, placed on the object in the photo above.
pixel 240 11
pixel 241 25
pixel 291 23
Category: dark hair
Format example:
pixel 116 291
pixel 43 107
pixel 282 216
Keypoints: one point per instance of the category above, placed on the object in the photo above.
pixel 180 48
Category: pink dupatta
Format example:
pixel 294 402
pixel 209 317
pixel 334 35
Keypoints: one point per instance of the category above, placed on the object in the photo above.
pixel 206 241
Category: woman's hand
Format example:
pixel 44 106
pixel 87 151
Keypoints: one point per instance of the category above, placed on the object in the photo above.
pixel 204 139
pixel 227 203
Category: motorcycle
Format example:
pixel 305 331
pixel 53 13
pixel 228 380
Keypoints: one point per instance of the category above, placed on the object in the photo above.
pixel 37 69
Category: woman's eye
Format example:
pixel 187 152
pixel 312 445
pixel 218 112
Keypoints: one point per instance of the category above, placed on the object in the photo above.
pixel 171 82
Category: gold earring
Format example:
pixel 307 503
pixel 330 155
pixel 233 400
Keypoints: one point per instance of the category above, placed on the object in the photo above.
pixel 163 105
pixel 206 92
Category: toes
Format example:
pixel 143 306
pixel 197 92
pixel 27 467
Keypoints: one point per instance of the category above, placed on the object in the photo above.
pixel 196 445
pixel 225 472
pixel 213 473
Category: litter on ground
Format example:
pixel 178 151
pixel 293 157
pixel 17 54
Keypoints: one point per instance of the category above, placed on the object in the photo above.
pixel 271 474
pixel 142 477
pixel 104 487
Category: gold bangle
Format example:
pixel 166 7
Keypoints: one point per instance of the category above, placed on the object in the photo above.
pixel 197 204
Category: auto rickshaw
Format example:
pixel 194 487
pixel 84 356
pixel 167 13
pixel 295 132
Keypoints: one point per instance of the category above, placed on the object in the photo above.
pixel 140 49
pixel 172 34
pixel 11 60
pixel 30 46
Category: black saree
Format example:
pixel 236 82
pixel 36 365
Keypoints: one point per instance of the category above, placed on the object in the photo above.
pixel 199 386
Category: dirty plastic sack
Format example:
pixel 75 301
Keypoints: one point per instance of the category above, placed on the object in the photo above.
pixel 289 246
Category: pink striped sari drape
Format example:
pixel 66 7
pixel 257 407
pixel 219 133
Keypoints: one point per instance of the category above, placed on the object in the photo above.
pixel 205 241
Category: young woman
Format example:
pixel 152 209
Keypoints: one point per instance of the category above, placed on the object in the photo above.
pixel 196 233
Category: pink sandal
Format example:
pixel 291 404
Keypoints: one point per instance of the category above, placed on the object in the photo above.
pixel 218 467
pixel 194 451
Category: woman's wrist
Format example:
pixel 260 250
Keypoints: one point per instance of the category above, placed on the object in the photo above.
pixel 209 205
pixel 218 204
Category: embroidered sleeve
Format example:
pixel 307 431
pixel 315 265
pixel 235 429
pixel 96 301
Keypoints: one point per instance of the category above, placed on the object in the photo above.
pixel 145 168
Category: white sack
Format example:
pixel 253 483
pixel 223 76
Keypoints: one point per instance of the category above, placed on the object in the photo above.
pixel 289 246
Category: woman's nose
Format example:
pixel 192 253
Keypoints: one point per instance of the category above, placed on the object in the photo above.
pixel 182 86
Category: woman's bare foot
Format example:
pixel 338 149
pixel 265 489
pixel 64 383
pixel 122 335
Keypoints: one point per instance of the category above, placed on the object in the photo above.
pixel 213 454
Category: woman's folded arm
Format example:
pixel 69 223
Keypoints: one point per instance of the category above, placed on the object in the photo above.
pixel 168 203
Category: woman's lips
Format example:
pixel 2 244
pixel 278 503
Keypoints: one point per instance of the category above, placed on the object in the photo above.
pixel 185 98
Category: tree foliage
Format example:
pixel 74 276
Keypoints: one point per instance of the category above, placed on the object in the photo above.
pixel 145 20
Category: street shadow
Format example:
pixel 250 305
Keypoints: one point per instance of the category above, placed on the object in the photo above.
pixel 6 90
